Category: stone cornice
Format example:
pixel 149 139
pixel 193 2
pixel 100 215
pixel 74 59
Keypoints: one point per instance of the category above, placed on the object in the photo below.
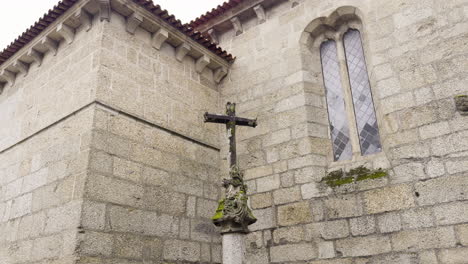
pixel 217 22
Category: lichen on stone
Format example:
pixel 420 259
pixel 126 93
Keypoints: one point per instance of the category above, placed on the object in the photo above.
pixel 361 173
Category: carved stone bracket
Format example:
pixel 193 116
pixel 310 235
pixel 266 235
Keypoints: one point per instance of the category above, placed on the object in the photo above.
pixel 260 12
pixel 461 103
pixel 66 32
pixel 233 214
pixel 159 38
pixel 85 18
pixel 8 76
pixel 50 44
pixel 201 63
pixel 21 67
pixel 104 10
pixel 36 56
pixel 219 74
pixel 182 50
pixel 213 36
pixel 236 23
pixel 133 22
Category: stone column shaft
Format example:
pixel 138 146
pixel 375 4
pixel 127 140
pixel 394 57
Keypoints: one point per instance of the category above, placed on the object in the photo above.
pixel 234 248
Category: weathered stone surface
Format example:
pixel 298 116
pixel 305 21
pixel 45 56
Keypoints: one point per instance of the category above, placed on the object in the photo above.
pixel 265 219
pixel 408 172
pixel 416 218
pixel 161 225
pixel 261 200
pixel 295 252
pixel 286 235
pixel 343 206
pixel 268 183
pixel 415 240
pixel 326 250
pixel 388 199
pixel 389 222
pixel 453 189
pixel 286 195
pixel 363 246
pixel 62 218
pixel 449 214
pixel 362 226
pixel 94 243
pixel 181 250
pixel 234 248
pixel 112 190
pixel 428 257
pixel 334 229
pixel 294 213
pixel 462 231
pixel 453 256
pixel 165 201
pixel 93 215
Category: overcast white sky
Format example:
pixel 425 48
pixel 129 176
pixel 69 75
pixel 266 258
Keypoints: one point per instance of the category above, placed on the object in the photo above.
pixel 18 15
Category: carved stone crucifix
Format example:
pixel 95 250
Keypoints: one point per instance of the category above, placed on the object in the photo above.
pixel 231 121
pixel 233 214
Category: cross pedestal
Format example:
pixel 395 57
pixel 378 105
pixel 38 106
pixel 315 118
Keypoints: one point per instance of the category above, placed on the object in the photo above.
pixel 234 248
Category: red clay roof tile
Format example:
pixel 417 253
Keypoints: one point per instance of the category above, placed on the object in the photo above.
pixel 219 10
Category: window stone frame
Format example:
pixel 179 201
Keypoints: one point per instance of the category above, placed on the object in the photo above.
pixel 333 27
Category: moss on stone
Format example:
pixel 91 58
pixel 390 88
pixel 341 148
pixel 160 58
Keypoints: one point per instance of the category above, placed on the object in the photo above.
pixel 336 178
pixel 219 211
pixel 361 173
pixel 358 171
pixel 340 182
pixel 373 175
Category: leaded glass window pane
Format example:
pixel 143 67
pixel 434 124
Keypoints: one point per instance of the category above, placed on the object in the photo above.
pixel 339 125
pixel 362 96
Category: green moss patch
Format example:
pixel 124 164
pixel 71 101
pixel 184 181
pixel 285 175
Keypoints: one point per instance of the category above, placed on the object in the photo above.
pixel 361 173
pixel 219 211
pixel 372 175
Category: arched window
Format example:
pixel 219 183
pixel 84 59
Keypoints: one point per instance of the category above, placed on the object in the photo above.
pixel 360 101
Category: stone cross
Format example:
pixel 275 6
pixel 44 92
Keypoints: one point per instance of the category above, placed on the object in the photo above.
pixel 233 214
pixel 231 121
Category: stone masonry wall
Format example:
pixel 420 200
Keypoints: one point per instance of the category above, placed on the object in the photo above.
pixel 61 85
pixel 141 80
pixel 153 181
pixel 416 54
pixel 42 183
pixel 107 158
pixel 45 132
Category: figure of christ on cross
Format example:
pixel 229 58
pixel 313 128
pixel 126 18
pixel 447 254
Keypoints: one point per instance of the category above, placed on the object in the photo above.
pixel 231 121
pixel 233 214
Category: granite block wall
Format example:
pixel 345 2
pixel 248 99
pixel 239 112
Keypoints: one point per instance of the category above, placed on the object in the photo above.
pixel 153 180
pixel 107 159
pixel 46 119
pixel 416 57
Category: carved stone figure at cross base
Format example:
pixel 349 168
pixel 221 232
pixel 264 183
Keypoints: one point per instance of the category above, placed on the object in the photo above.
pixel 233 214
